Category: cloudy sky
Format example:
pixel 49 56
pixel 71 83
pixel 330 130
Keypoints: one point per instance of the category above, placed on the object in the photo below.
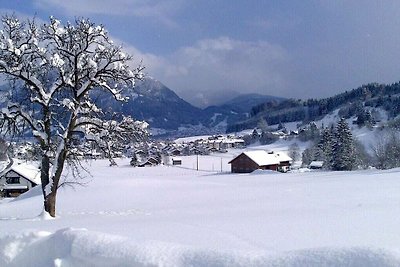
pixel 208 51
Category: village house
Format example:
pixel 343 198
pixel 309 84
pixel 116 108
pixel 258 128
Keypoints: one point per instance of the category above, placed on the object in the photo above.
pixel 149 162
pixel 18 179
pixel 249 161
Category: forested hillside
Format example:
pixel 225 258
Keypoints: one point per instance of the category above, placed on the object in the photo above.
pixel 358 102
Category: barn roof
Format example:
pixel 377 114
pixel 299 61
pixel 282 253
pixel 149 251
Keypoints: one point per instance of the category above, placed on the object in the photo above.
pixel 283 157
pixel 263 158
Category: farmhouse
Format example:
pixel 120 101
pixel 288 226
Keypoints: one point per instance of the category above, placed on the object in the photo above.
pixel 259 159
pixel 149 162
pixel 18 179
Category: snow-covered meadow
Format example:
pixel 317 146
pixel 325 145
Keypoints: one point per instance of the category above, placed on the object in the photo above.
pixel 174 216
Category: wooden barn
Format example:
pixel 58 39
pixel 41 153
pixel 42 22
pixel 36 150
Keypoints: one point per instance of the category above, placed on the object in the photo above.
pixel 250 161
pixel 18 179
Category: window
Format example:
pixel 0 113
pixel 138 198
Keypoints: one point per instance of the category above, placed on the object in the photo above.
pixel 12 180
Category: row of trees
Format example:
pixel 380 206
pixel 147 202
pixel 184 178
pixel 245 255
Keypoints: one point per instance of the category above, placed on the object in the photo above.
pixel 356 102
pixel 337 148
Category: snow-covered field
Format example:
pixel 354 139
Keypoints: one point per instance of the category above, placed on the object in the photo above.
pixel 174 216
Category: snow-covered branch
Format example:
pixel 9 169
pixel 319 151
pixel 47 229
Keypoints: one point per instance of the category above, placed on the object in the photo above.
pixel 54 69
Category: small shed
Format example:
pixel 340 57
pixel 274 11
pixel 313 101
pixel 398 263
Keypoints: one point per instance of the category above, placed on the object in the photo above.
pixel 18 179
pixel 316 165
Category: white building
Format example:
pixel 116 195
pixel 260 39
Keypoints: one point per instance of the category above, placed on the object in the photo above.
pixel 18 179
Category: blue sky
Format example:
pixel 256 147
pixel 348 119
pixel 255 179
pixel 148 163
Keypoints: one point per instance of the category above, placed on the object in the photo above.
pixel 208 51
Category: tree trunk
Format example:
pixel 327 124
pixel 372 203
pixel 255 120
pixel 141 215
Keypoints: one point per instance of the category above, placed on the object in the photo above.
pixel 50 199
pixel 45 179
pixel 50 203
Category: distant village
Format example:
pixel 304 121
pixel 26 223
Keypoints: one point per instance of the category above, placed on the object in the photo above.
pixel 21 176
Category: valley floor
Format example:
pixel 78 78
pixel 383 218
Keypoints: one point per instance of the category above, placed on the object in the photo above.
pixel 174 216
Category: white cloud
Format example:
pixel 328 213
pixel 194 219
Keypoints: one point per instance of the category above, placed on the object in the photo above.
pixel 161 11
pixel 213 66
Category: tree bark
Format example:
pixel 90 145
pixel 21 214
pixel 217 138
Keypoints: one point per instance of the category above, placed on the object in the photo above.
pixel 45 179
pixel 50 203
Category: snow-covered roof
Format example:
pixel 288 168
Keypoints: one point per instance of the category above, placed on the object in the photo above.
pixel 28 171
pixel 283 157
pixel 11 186
pixel 233 141
pixel 316 163
pixel 261 157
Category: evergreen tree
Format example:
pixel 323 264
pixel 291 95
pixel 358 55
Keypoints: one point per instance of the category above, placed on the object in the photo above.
pixel 325 145
pixel 343 151
pixel 309 132
pixel 255 136
pixel 308 156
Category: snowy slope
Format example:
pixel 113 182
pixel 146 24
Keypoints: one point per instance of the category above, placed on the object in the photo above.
pixel 170 216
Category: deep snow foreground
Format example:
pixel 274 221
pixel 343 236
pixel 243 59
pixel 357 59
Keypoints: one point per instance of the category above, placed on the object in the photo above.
pixel 69 247
pixel 171 216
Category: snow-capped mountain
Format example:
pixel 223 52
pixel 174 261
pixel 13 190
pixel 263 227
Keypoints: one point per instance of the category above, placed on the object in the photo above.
pixel 155 103
pixel 162 108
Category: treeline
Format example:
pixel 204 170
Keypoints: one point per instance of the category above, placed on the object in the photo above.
pixel 351 103
pixel 337 149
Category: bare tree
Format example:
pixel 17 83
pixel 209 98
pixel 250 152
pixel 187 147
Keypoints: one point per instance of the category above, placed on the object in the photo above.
pixel 294 151
pixel 386 151
pixel 53 70
pixel 114 136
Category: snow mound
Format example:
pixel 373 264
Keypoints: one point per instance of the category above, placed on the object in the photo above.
pixel 34 192
pixel 301 170
pixel 259 171
pixel 79 247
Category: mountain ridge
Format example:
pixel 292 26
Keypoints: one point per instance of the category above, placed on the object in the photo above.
pixel 359 102
pixel 162 108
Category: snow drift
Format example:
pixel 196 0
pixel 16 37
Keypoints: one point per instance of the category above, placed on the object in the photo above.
pixel 79 247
